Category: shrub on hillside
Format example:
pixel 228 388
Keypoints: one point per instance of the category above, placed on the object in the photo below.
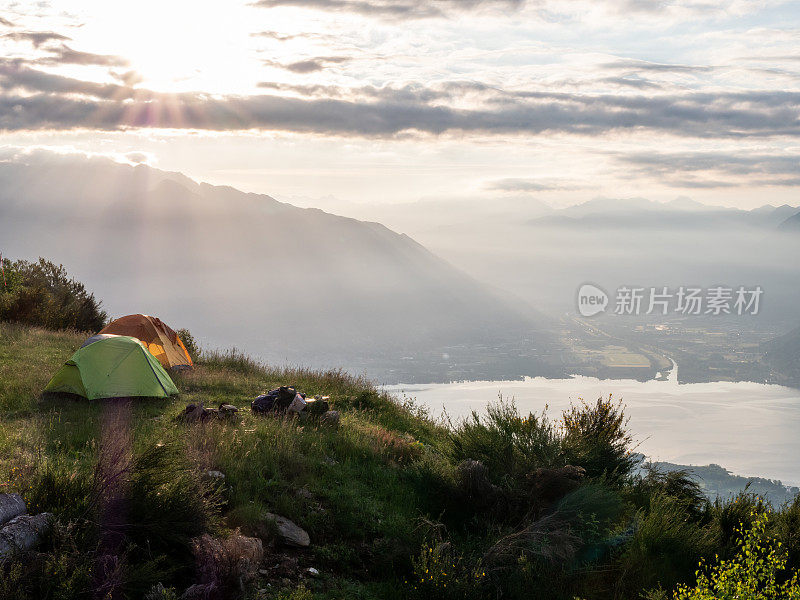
pixel 43 294
pixel 786 527
pixel 756 572
pixel 508 444
pixel 168 505
pixel 136 522
pixel 733 514
pixel 665 547
pixel 190 343
pixel 680 485
pixel 595 437
pixel 63 572
pixel 592 436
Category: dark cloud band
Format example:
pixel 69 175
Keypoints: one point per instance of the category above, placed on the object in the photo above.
pixel 37 38
pixel 716 169
pixel 396 9
pixel 741 115
pixel 64 55
pixel 34 99
pixel 309 65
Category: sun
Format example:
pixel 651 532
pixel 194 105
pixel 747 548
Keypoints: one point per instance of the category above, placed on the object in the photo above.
pixel 179 45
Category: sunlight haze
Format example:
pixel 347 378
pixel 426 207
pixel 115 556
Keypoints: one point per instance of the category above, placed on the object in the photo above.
pixel 554 101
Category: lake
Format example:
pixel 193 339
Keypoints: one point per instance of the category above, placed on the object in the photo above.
pixel 749 428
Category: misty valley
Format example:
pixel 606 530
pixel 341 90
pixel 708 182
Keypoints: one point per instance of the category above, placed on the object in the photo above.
pixel 302 286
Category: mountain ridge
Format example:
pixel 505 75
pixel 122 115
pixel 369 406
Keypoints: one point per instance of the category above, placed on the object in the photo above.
pixel 298 284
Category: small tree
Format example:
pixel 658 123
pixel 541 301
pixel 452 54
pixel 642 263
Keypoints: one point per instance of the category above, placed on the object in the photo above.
pixel 189 343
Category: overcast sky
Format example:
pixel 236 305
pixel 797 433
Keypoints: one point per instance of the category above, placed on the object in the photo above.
pixel 331 102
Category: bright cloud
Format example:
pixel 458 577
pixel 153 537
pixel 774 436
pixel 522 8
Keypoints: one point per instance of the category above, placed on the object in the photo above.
pixel 594 95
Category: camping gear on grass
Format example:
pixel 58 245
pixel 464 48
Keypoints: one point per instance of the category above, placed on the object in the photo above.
pixel 317 406
pixel 263 403
pixel 114 367
pixel 298 404
pixel 156 335
pixel 287 399
pixel 277 399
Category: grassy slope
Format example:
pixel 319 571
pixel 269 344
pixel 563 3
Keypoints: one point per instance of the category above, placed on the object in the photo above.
pixel 365 493
pixel 370 494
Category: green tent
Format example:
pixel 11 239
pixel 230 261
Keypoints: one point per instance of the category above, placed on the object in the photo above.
pixel 114 367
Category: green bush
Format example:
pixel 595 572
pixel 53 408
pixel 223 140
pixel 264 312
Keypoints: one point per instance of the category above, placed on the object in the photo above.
pixel 733 514
pixel 595 437
pixel 680 485
pixel 786 527
pixel 59 487
pixel 168 505
pixel 756 572
pixel 189 343
pixel 666 545
pixel 437 573
pixel 42 294
pixel 153 508
pixel 64 572
pixel 509 445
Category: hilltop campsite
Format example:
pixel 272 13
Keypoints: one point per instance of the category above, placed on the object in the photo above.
pixel 400 300
pixel 143 496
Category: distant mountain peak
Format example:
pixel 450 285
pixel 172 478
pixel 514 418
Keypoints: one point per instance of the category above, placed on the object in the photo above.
pixel 791 223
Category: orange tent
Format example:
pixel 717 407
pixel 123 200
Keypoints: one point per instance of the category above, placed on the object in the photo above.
pixel 156 336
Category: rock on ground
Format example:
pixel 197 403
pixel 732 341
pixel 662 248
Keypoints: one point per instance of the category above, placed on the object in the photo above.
pixel 290 533
pixel 330 418
pixel 11 505
pixel 23 532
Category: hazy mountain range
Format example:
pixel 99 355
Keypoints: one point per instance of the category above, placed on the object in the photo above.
pixel 678 214
pixel 303 286
pixel 288 284
pixel 544 254
pixel 791 224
